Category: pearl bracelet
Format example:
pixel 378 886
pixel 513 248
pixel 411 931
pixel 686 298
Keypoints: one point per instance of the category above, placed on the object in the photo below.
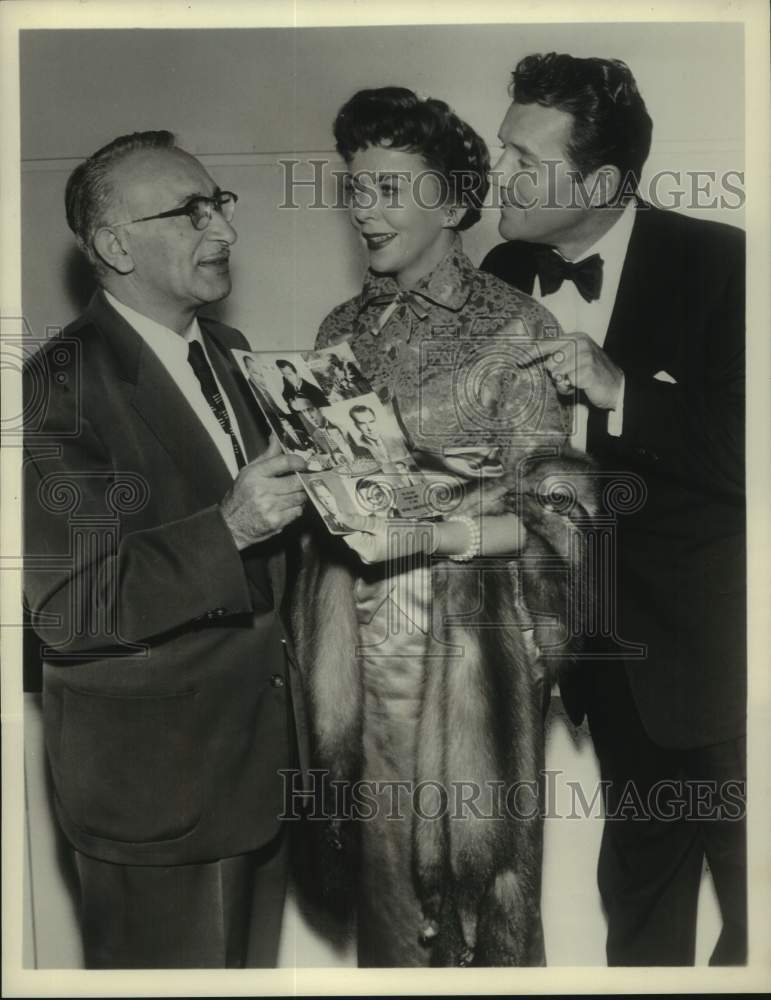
pixel 475 545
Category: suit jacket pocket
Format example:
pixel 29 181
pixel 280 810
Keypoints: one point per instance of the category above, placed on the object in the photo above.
pixel 131 765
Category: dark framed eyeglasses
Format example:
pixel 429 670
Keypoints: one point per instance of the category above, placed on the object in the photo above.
pixel 199 210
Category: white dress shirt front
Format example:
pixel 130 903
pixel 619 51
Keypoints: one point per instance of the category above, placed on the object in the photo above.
pixel 576 315
pixel 171 349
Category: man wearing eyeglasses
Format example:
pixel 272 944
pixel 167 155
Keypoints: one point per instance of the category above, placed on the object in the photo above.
pixel 166 675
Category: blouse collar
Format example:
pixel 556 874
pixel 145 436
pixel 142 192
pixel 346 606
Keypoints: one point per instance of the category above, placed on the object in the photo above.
pixel 449 285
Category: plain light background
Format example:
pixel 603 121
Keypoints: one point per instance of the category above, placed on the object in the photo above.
pixel 244 99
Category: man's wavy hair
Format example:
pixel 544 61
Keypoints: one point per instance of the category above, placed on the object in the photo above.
pixel 397 118
pixel 89 188
pixel 610 121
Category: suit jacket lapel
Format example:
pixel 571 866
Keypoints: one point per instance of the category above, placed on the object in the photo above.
pixel 162 406
pixel 254 433
pixel 251 423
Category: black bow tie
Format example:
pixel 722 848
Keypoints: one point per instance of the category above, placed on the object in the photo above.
pixel 586 275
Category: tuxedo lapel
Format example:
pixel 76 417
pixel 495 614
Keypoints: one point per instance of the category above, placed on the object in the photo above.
pixel 631 323
pixel 523 268
pixel 642 315
pixel 646 323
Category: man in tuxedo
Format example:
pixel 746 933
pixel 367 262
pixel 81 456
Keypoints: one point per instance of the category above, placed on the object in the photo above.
pixel 156 519
pixel 651 303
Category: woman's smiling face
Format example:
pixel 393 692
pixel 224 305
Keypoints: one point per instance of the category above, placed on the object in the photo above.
pixel 397 207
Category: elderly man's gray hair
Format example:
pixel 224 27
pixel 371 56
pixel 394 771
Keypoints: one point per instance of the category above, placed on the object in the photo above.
pixel 89 189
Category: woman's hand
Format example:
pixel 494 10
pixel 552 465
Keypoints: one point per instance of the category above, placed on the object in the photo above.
pixel 378 539
pixel 502 534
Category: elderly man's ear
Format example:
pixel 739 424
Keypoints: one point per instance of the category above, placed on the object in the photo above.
pixel 112 251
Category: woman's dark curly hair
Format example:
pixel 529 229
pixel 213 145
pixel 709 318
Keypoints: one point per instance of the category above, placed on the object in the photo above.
pixel 397 118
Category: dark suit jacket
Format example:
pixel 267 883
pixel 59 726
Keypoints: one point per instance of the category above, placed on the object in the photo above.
pixel 165 691
pixel 681 558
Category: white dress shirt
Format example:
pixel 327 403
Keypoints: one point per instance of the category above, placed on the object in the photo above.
pixel 576 315
pixel 171 350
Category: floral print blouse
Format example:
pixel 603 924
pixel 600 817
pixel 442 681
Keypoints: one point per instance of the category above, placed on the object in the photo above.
pixel 451 355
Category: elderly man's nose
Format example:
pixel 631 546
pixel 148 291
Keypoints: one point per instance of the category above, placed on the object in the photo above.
pixel 220 229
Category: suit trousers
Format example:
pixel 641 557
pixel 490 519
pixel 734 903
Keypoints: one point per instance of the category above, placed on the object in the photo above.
pixel 222 914
pixel 666 811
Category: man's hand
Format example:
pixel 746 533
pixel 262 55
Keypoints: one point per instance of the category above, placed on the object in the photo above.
pixel 576 362
pixel 265 497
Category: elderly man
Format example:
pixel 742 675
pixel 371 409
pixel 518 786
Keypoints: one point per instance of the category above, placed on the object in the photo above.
pixel 167 679
pixel 653 303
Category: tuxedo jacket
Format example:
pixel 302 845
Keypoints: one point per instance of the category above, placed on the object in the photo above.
pixel 166 677
pixel 677 576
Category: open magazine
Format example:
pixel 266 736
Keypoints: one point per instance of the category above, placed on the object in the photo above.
pixel 320 406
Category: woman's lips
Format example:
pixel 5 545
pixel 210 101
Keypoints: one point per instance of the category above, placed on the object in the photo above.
pixel 376 241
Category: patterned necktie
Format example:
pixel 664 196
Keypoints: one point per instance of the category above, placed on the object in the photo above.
pixel 553 270
pixel 213 396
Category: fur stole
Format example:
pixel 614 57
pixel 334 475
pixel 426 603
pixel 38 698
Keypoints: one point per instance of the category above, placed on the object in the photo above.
pixel 482 718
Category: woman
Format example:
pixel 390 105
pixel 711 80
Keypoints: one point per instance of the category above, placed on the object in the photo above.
pixel 424 684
